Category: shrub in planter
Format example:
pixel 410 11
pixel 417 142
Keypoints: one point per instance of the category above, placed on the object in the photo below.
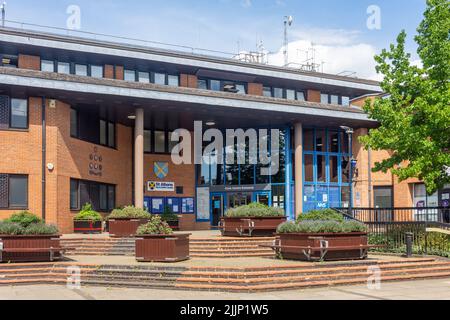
pixel 322 215
pixel 24 218
pixel 254 219
pixel 321 227
pixel 156 242
pixel 124 222
pixel 88 220
pixel 171 218
pixel 28 241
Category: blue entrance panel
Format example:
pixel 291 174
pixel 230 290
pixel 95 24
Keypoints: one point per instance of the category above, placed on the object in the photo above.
pixel 322 197
pixel 335 197
pixel 310 198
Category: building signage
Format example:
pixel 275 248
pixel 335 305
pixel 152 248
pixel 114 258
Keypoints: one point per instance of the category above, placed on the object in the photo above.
pixel 160 186
pixel 161 169
pixel 203 205
pixel 243 188
pixel 95 163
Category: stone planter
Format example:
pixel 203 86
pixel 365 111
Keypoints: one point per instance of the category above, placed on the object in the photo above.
pixel 87 227
pixel 250 226
pixel 124 228
pixel 355 242
pixel 32 248
pixel 162 248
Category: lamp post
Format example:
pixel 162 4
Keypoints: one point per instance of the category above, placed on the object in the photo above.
pixel 349 131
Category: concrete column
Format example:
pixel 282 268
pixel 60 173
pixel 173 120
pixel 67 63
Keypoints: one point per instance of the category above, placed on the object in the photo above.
pixel 298 139
pixel 139 159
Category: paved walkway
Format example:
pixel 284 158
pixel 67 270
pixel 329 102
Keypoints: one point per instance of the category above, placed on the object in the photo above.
pixel 412 290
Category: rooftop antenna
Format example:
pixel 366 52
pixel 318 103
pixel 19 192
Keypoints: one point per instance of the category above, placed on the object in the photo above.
pixel 288 20
pixel 3 7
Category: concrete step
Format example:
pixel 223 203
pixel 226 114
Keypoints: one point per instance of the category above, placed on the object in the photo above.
pixel 231 255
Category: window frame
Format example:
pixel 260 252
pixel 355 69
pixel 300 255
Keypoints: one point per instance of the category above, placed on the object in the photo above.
pixel 89 188
pixel 27 191
pixel 96 65
pixel 10 114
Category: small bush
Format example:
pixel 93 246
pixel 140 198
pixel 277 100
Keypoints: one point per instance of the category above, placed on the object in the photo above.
pixel 254 210
pixel 130 212
pixel 321 215
pixel 168 215
pixel 155 226
pixel 24 218
pixel 10 228
pixel 88 214
pixel 321 227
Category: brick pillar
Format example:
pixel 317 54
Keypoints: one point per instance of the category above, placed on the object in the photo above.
pixel 255 89
pixel 139 159
pixel 313 96
pixel 109 71
pixel 119 73
pixel 29 62
pixel 298 158
pixel 188 81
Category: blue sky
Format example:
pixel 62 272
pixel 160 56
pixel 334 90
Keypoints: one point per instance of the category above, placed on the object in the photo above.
pixel 227 25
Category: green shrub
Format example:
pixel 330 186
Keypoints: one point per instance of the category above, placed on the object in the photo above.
pixel 11 228
pixel 24 218
pixel 254 210
pixel 321 227
pixel 130 212
pixel 155 226
pixel 321 215
pixel 168 215
pixel 88 214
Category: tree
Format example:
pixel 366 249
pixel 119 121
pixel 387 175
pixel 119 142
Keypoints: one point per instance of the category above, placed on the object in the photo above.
pixel 414 115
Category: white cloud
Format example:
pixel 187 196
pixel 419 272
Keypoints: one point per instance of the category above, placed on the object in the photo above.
pixel 246 3
pixel 338 50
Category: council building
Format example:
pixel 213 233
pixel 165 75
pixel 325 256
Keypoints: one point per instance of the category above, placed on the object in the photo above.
pixel 88 121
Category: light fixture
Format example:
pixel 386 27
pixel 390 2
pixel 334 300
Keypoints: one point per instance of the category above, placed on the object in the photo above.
pixel 347 130
pixel 132 117
pixel 210 123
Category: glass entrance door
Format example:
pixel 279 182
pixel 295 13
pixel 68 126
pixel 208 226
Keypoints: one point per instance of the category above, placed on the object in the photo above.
pixel 263 198
pixel 217 208
pixel 444 203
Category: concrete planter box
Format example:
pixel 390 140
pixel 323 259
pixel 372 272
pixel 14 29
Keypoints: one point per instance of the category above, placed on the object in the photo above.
pixel 87 227
pixel 162 248
pixel 288 243
pixel 32 248
pixel 123 228
pixel 250 226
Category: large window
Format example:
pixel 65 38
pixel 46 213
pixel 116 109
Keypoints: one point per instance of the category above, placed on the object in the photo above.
pixel 130 75
pixel 13 191
pixel 64 67
pixel 87 125
pixel 96 71
pixel 222 85
pixel 13 113
pixel 101 196
pixel 383 197
pixel 158 141
pixel 81 70
pixel 47 65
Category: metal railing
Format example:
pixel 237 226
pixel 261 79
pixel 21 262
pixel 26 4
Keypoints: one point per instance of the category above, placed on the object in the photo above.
pixel 428 214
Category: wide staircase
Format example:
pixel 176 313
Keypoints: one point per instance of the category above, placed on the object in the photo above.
pixel 213 247
pixel 225 279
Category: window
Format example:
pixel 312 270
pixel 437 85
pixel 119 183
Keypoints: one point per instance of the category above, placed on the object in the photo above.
pixel 290 94
pixel 47 66
pixel 321 169
pixel 101 196
pixel 144 77
pixel 8 61
pixel 334 99
pixel 241 89
pixel 160 78
pixel 278 93
pixel 171 143
pixel 321 141
pixel 74 123
pixel 96 71
pixel 81 70
pixel 309 168
pixel 173 80
pixel 64 67
pixel 147 141
pixel 19 113
pixel 324 98
pixel 308 139
pixel 383 197
pixel 107 134
pixel 13 191
pixel 129 75
pixel 301 96
pixel 202 84
pixel 267 92
pixel 333 141
pixel 160 141
pixel 333 165
pixel 214 85
pixel 345 101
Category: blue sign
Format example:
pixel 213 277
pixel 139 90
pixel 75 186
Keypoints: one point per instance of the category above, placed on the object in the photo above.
pixel 161 169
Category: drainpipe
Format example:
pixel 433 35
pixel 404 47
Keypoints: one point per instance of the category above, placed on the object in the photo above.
pixel 44 158
pixel 369 176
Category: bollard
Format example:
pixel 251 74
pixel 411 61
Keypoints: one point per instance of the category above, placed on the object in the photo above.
pixel 409 244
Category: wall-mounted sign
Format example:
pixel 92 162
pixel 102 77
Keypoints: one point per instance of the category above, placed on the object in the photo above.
pixel 95 163
pixel 161 169
pixel 155 186
pixel 203 205
pixel 242 188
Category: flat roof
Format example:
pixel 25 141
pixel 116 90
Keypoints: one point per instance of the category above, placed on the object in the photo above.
pixel 86 45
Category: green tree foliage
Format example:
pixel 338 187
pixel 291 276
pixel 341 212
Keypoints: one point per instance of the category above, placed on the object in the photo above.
pixel 415 114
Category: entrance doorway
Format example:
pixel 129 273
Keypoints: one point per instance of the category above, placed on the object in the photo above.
pixel 444 203
pixel 263 198
pixel 217 205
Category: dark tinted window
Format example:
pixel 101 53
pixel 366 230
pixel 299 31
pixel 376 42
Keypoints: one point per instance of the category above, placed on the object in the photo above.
pixel 18 191
pixel 19 113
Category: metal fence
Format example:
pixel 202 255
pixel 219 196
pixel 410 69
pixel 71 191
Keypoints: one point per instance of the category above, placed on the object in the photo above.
pixel 431 214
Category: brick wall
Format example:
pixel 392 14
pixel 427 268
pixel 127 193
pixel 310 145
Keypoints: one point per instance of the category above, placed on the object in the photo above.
pixel 188 81
pixel 313 96
pixel 29 62
pixel 120 73
pixel 255 89
pixel 109 71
